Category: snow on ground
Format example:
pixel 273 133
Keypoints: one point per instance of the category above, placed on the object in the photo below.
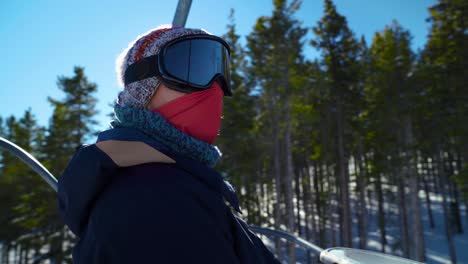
pixel 435 239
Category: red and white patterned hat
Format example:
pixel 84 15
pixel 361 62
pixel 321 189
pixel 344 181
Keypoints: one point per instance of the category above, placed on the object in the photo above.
pixel 139 93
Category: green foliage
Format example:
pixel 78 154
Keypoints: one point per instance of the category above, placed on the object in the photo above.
pixel 339 50
pixel 389 90
pixel 20 187
pixel 237 136
pixel 340 92
pixel 351 105
pixel 28 207
pixel 276 67
pixel 443 66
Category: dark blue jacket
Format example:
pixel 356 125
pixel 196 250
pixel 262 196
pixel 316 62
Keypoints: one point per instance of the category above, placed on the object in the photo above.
pixel 152 212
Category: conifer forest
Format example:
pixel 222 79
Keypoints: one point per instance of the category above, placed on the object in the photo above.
pixel 365 146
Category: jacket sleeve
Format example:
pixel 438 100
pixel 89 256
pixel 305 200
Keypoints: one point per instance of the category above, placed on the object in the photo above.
pixel 87 174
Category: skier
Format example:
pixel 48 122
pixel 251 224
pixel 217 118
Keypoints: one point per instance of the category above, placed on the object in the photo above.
pixel 146 191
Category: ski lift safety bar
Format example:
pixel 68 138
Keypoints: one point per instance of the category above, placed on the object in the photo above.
pixel 30 161
pixel 271 232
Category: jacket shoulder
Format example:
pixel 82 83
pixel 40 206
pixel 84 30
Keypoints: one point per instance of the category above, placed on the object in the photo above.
pixel 86 175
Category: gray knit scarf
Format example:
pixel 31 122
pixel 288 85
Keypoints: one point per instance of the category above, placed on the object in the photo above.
pixel 158 128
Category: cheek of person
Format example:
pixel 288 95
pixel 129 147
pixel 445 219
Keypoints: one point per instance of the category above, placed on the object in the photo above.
pixel 162 96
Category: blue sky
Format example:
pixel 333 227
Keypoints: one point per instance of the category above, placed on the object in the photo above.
pixel 43 39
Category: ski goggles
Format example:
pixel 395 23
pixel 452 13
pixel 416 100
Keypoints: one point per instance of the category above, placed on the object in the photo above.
pixel 187 64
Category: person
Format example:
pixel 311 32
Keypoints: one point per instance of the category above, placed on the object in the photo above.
pixel 146 191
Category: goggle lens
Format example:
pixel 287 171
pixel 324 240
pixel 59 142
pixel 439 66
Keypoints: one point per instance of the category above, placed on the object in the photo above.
pixel 187 64
pixel 197 62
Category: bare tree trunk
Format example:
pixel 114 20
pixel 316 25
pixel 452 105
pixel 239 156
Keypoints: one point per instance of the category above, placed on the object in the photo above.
pixel 361 179
pixel 434 177
pixel 26 254
pixel 263 203
pixel 257 208
pixel 21 254
pixel 297 189
pixel 428 202
pixel 318 175
pixel 17 253
pixel 457 189
pixel 402 215
pixel 415 216
pixel 443 191
pixel 266 201
pixel 306 205
pixel 288 183
pixel 363 215
pixel 463 163
pixel 244 193
pixel 344 181
pixel 455 201
pixel 381 213
pixel 2 252
pixel 331 210
pixel 309 201
pixel 7 254
pixel 466 210
pixel 417 248
pixel 277 174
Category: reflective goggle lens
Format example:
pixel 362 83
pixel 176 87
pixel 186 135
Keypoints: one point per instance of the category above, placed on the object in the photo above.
pixel 187 64
pixel 197 62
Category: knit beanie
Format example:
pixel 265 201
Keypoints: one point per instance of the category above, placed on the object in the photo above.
pixel 138 94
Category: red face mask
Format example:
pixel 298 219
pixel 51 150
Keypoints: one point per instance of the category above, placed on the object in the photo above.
pixel 197 114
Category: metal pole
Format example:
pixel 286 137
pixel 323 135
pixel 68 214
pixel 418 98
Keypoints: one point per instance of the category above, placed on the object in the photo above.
pixel 30 161
pixel 302 242
pixel 181 14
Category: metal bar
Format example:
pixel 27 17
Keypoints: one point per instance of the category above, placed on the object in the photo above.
pixel 181 14
pixel 30 161
pixel 271 232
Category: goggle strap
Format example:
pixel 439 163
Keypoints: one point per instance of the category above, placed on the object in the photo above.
pixel 142 69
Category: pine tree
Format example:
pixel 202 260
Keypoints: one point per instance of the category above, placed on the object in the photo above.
pixel 21 202
pixel 359 125
pixel 237 137
pixel 391 92
pixel 71 123
pixel 443 67
pixel 275 49
pixel 339 54
pixel 28 212
pixel 73 117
